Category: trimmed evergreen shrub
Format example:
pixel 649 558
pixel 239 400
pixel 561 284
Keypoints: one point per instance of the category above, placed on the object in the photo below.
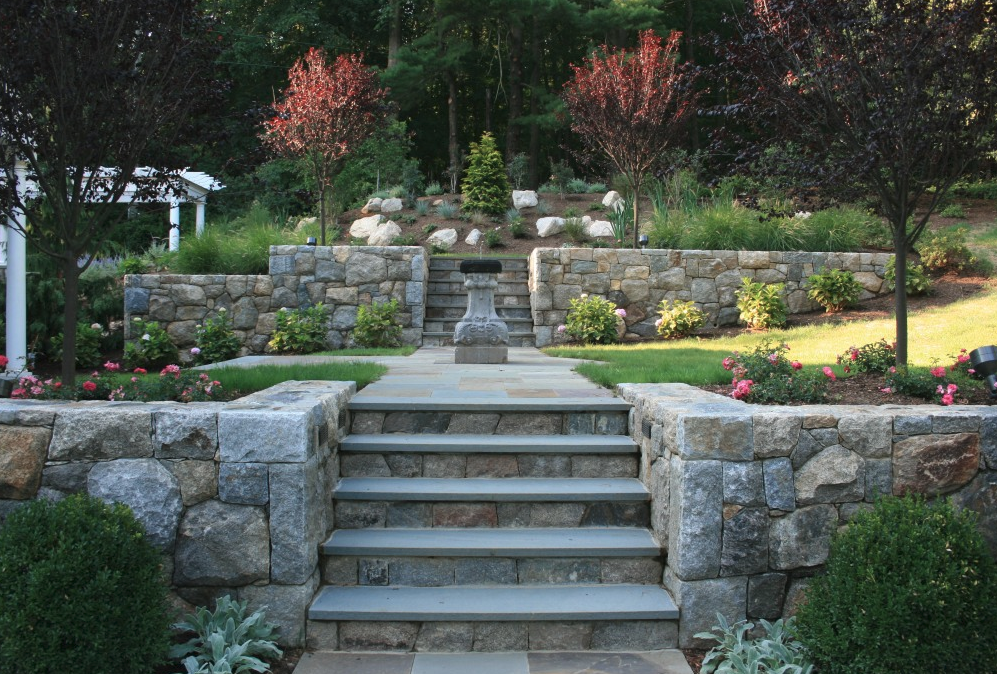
pixel 81 591
pixel 486 185
pixel 910 587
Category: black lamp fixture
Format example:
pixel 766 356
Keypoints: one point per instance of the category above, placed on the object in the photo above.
pixel 984 361
pixel 642 239
pixel 311 241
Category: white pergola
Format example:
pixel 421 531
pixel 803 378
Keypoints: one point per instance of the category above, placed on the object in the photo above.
pixel 195 187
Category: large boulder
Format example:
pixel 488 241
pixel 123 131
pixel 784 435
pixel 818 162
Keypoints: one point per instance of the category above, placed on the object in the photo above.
pixel 373 205
pixel 599 229
pixel 614 201
pixel 391 205
pixel 444 238
pixel 385 234
pixel 524 199
pixel 145 486
pixel 364 227
pixel 473 238
pixel 549 226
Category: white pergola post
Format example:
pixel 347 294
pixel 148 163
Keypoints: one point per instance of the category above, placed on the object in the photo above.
pixel 199 222
pixel 17 304
pixel 174 225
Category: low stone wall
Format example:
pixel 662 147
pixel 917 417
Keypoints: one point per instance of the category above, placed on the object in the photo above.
pixel 341 277
pixel 235 495
pixel 638 280
pixel 745 497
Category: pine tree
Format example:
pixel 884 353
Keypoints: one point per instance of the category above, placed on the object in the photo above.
pixel 486 185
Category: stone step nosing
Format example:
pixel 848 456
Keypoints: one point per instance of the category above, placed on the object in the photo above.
pixel 489 444
pixel 361 403
pixel 596 542
pixel 492 490
pixel 494 603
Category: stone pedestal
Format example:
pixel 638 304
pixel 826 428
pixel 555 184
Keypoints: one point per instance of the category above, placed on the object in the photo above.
pixel 481 336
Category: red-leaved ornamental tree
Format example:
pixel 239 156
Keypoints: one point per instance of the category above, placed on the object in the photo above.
pixel 328 110
pixel 629 106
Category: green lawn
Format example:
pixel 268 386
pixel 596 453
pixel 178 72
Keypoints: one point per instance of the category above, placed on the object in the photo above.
pixel 248 380
pixel 935 334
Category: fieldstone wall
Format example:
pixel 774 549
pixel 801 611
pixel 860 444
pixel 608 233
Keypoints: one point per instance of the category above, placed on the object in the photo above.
pixel 745 497
pixel 235 495
pixel 341 277
pixel 638 280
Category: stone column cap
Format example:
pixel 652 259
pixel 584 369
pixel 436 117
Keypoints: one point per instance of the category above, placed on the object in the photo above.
pixel 480 267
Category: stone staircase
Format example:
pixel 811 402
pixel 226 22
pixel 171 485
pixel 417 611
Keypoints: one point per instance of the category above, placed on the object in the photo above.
pixel 491 525
pixel 446 301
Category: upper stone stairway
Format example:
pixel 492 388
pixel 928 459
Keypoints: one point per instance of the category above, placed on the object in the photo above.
pixel 446 301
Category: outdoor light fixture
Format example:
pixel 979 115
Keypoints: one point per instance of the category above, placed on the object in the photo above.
pixel 312 241
pixel 984 361
pixel 642 240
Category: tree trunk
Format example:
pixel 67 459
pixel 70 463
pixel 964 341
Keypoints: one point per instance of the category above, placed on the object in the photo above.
pixel 71 280
pixel 321 210
pixel 534 175
pixel 635 183
pixel 515 89
pixel 488 110
pixel 395 33
pixel 900 291
pixel 453 147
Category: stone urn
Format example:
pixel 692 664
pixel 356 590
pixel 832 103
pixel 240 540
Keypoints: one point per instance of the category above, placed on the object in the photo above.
pixel 481 336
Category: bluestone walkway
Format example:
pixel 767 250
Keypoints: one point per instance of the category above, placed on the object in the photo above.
pixel 431 376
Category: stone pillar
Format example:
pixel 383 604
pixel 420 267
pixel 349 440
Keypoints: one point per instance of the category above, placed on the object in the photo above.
pixel 481 336
pixel 199 221
pixel 175 225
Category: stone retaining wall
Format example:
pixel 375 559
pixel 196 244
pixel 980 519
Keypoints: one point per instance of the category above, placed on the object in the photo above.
pixel 745 497
pixel 341 277
pixel 235 495
pixel 638 280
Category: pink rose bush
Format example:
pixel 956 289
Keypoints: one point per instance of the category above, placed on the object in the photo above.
pixel 173 383
pixel 766 375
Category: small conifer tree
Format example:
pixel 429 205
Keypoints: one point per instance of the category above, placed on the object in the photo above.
pixel 485 186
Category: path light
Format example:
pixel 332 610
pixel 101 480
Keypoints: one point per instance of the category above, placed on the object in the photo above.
pixel 984 361
pixel 312 241
pixel 643 241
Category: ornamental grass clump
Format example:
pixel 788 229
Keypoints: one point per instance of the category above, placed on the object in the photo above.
pixel 81 590
pixel 910 587
pixel 766 375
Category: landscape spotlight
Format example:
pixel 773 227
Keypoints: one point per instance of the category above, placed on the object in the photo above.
pixel 312 241
pixel 642 240
pixel 984 361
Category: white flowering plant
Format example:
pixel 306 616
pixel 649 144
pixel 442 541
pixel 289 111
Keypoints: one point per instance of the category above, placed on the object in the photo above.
pixel 150 345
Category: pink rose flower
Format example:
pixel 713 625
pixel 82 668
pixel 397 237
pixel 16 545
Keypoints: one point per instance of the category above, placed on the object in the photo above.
pixel 622 313
pixel 3 361
pixel 829 373
pixel 947 399
pixel 796 365
pixel 938 371
pixel 89 386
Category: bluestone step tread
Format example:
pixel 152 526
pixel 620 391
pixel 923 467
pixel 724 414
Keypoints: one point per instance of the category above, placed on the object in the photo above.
pixel 490 444
pixel 519 489
pixel 494 603
pixel 365 403
pixel 575 542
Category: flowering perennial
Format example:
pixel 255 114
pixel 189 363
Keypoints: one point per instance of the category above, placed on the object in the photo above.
pixel 173 383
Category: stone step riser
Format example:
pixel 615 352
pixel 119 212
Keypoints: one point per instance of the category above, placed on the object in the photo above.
pixel 450 301
pixel 456 465
pixel 447 571
pixel 450 514
pixel 491 636
pixel 449 324
pixel 447 340
pixel 451 287
pixel 508 264
pixel 505 312
pixel 498 423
